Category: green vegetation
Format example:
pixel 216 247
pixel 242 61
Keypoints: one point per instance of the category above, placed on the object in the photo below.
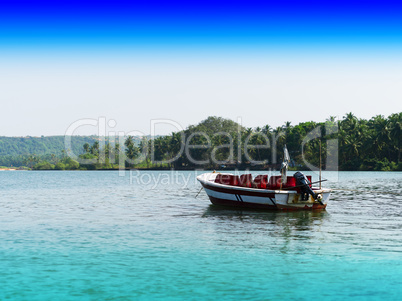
pixel 214 143
pixel 41 145
pixel 29 151
pixel 373 144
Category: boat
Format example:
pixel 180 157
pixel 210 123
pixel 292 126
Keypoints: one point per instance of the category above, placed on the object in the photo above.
pixel 262 192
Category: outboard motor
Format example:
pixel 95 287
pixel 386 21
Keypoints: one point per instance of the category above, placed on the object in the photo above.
pixel 304 183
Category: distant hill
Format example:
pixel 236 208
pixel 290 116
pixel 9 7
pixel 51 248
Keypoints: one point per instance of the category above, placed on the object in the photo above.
pixel 41 145
pixel 15 150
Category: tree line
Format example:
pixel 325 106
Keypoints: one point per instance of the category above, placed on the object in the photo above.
pixel 41 145
pixel 28 151
pixel 347 144
pixel 217 143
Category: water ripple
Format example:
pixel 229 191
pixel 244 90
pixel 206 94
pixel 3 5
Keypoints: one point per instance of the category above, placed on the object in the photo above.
pixel 98 235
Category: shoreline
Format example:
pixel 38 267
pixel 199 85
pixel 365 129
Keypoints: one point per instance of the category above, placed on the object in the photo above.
pixel 201 169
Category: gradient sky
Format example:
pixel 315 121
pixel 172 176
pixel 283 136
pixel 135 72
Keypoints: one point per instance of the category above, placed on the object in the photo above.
pixel 265 62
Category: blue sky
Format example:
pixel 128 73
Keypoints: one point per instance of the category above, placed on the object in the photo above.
pixel 134 61
pixel 200 22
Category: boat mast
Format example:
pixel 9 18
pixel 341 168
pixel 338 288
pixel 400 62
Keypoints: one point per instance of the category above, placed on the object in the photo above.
pixel 320 164
pixel 284 166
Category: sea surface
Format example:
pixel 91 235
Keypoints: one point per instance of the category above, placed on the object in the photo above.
pixel 109 235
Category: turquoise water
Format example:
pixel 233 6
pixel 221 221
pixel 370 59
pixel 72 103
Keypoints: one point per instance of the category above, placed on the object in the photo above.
pixel 143 236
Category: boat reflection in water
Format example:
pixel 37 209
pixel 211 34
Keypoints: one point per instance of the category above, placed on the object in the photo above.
pixel 271 230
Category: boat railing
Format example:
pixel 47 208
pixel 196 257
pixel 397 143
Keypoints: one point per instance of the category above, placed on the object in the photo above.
pixel 260 181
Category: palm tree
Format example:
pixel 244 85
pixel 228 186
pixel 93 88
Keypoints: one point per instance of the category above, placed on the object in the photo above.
pixel 131 150
pixel 95 148
pixel 349 122
pixel 353 145
pixel 174 147
pixel 86 147
pixel 158 149
pixel 145 150
pixel 32 160
pixel 381 127
pixel 116 153
pixel 266 129
pixel 287 125
pixel 396 133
